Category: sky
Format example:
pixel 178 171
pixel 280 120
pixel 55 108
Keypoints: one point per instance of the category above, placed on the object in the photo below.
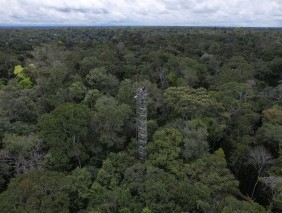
pixel 227 13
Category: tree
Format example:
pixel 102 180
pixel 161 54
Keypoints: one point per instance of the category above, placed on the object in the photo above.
pixel 187 68
pixel 91 97
pixel 259 158
pixel 134 178
pixel 103 200
pixel 111 173
pixel 37 191
pixel 235 97
pixel 273 73
pixel 88 63
pixel 23 153
pixel 270 133
pixel 195 140
pixel 231 205
pixel 146 210
pixel 237 69
pixel 100 79
pixel 273 185
pixel 81 180
pixel 17 104
pixel 211 171
pixel 126 92
pixel 109 119
pixel 77 91
pixel 273 115
pixel 24 79
pixel 190 102
pixel 107 194
pixel 165 148
pixel 159 190
pixel 64 131
pixel 120 48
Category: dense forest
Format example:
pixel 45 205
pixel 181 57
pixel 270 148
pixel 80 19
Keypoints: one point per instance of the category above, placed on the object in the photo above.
pixel 68 120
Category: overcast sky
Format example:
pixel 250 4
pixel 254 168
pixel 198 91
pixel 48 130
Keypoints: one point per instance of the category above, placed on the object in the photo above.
pixel 255 13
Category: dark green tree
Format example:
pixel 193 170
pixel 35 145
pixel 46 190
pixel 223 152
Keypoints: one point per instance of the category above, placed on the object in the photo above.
pixel 64 131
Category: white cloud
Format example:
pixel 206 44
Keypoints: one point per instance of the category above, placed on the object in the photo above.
pixel 265 13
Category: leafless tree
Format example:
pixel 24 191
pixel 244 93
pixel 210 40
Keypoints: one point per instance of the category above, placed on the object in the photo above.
pixel 272 93
pixel 162 72
pixel 23 162
pixel 5 161
pixel 275 185
pixel 120 47
pixel 259 158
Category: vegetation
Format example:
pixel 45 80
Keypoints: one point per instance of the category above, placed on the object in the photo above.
pixel 68 121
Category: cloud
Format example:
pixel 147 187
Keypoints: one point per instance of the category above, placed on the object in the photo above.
pixel 264 13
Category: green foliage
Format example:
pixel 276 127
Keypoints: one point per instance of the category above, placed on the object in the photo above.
pixel 106 194
pixel 134 177
pixel 103 200
pixel 24 80
pixel 152 126
pixel 126 92
pixel 277 202
pixel 190 77
pixel 110 175
pixel 69 107
pixel 100 79
pixel 211 170
pixel 64 130
pixel 72 119
pixel 159 189
pixel 146 210
pixel 195 140
pixel 19 71
pixel 81 180
pixel 234 96
pixel 77 91
pixel 89 63
pixel 237 69
pixel 37 191
pixel 19 144
pixel 164 149
pixel 109 120
pixel 17 104
pixel 191 102
pixel 270 135
pixel 91 97
pixel 273 115
pixel 272 73
pixel 172 78
pixel 232 205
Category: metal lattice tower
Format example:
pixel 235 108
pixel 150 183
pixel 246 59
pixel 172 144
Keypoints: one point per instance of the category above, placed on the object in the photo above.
pixel 141 101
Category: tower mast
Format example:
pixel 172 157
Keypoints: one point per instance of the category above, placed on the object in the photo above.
pixel 141 111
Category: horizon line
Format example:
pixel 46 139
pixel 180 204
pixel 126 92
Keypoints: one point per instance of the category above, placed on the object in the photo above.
pixel 131 26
